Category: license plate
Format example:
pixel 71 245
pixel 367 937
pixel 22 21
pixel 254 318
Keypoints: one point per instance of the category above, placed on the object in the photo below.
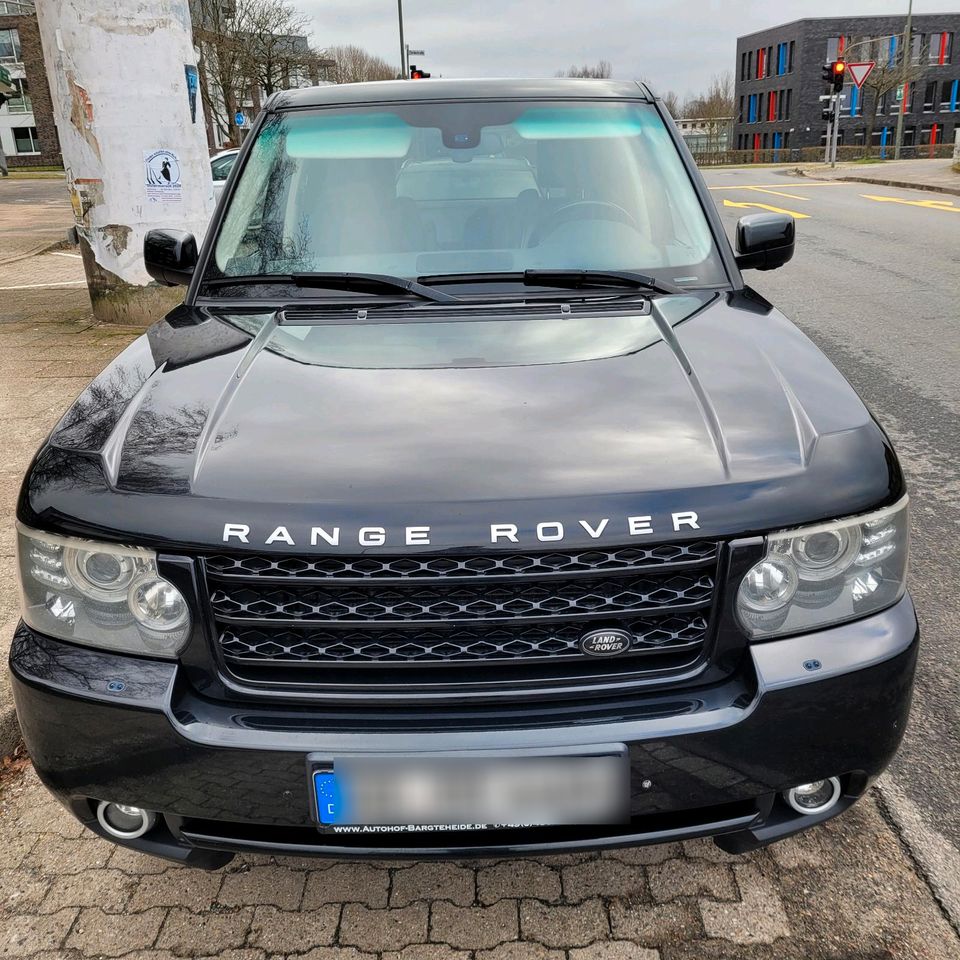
pixel 492 791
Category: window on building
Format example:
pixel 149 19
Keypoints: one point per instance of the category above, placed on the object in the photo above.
pixel 740 111
pixel 761 61
pixel 9 46
pixel 833 49
pixel 752 109
pixel 787 105
pixel 750 64
pixel 952 100
pixel 19 102
pixel 931 133
pixel 916 48
pixel 25 140
pixel 772 99
pixel 793 44
pixel 930 97
pixel 14 7
pixel 743 65
pixel 770 64
pixel 941 48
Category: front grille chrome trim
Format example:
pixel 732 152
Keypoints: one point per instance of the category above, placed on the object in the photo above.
pixel 480 635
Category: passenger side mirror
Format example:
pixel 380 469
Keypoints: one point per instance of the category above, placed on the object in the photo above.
pixel 765 241
pixel 170 256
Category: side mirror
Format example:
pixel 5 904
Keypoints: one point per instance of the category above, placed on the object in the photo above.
pixel 765 241
pixel 170 256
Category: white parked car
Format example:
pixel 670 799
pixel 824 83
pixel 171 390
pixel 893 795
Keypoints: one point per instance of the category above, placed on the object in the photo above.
pixel 220 167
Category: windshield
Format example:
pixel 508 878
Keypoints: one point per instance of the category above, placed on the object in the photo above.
pixel 432 189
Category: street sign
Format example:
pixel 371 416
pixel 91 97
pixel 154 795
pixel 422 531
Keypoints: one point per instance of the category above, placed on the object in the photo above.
pixel 415 53
pixel 240 119
pixel 860 71
pixel 900 92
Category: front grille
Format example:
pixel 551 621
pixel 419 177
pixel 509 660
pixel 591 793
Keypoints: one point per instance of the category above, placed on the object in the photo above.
pixel 459 620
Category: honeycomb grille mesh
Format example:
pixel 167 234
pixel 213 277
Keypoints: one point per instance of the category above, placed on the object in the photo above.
pixel 436 601
pixel 470 644
pixel 453 566
pixel 275 612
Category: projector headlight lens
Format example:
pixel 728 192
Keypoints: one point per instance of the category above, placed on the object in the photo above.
pixel 825 574
pixel 100 595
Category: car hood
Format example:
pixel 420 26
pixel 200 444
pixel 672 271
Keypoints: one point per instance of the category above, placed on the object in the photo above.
pixel 726 412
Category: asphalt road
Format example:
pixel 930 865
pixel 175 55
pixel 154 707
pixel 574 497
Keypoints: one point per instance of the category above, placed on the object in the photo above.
pixel 875 282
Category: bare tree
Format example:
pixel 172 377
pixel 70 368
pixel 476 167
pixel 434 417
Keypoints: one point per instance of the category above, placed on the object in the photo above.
pixel 715 107
pixel 249 48
pixel 352 64
pixel 671 100
pixel 278 53
pixel 602 70
pixel 884 78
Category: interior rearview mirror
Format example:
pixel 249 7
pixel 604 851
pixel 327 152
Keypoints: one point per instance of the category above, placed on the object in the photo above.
pixel 170 256
pixel 765 241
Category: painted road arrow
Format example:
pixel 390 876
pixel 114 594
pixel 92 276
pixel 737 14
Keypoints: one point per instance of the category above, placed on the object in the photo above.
pixel 946 205
pixel 766 206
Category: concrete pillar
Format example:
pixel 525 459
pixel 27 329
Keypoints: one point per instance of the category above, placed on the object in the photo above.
pixel 133 139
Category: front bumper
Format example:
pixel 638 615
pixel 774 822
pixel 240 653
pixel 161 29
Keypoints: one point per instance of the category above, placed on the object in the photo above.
pixel 231 777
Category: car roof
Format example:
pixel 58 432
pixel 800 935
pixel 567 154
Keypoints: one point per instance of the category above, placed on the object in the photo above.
pixel 387 91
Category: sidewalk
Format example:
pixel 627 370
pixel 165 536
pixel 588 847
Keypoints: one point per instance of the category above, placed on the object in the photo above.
pixel 35 214
pixel 935 175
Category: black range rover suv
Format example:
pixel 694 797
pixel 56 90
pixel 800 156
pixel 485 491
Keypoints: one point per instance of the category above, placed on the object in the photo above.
pixel 469 503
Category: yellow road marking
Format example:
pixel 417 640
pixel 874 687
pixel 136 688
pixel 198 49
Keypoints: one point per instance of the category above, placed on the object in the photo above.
pixel 771 186
pixel 776 193
pixel 766 206
pixel 946 205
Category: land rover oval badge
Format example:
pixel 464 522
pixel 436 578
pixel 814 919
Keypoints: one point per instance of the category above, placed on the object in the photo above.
pixel 605 643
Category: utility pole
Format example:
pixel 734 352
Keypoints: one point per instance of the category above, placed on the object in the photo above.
pixel 130 120
pixel 905 60
pixel 403 46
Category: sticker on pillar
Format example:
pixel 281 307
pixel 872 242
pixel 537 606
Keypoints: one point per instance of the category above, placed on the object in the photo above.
pixel 162 175
pixel 193 84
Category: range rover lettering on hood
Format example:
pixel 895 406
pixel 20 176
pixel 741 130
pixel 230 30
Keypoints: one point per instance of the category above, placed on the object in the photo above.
pixel 549 531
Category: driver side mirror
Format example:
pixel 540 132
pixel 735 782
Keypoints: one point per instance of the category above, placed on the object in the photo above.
pixel 170 256
pixel 765 241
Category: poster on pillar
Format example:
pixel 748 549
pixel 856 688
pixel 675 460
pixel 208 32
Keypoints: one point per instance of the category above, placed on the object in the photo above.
pixel 162 176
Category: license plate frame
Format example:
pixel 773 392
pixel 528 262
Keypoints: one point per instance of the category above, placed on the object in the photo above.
pixel 325 782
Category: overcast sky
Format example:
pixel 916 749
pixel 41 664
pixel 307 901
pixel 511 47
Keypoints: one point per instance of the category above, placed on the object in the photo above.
pixel 674 44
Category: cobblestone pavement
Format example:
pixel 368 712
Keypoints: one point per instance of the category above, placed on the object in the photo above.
pixel 845 891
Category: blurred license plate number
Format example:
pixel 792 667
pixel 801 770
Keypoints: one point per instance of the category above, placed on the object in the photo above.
pixel 456 793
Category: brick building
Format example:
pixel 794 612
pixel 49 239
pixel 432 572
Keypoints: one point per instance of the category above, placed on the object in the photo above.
pixel 28 135
pixel 779 82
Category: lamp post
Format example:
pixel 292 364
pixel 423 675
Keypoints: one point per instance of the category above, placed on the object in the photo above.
pixel 907 43
pixel 403 47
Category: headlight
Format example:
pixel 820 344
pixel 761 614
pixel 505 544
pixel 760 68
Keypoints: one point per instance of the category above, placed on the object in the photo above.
pixel 826 574
pixel 100 594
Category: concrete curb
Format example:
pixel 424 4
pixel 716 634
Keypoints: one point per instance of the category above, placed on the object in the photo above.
pixel 899 184
pixel 937 858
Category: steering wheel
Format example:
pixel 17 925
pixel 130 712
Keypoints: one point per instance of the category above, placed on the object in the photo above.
pixel 581 210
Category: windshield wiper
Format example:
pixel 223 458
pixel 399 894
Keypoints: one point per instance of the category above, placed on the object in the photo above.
pixel 376 283
pixel 574 279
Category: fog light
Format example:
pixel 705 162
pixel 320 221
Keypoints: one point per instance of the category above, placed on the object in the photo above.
pixel 816 797
pixel 124 822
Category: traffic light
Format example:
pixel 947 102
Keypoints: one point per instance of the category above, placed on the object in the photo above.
pixel 826 113
pixel 416 74
pixel 838 73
